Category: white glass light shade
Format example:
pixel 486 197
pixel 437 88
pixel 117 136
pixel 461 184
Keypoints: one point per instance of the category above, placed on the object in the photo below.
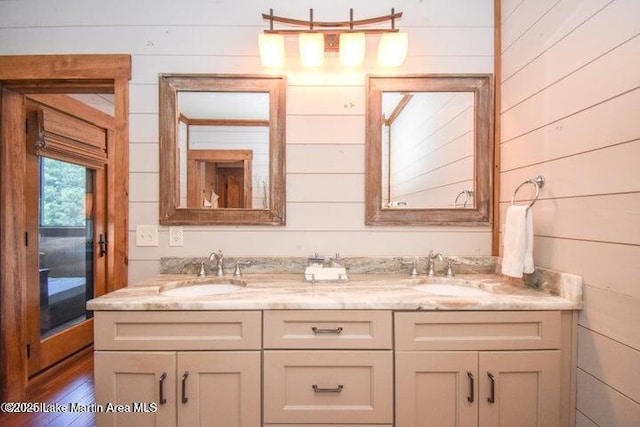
pixel 392 49
pixel 271 50
pixel 352 48
pixel 311 49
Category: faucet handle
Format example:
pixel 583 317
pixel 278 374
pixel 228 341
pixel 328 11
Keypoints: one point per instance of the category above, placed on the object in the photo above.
pixel 202 273
pixel 414 267
pixel 449 268
pixel 238 272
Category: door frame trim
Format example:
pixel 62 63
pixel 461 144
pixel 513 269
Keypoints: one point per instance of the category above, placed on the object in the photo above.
pixel 50 74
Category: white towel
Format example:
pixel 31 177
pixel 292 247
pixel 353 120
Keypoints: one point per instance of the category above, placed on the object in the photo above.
pixel 517 254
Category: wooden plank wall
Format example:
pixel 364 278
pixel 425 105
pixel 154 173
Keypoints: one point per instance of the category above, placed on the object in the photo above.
pixel 570 111
pixel 325 109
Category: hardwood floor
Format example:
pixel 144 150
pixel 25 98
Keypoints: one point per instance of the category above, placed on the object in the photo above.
pixel 71 383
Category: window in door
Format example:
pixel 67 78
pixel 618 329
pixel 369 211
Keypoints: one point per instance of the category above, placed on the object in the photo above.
pixel 65 237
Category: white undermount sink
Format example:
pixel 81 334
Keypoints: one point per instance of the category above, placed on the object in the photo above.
pixel 450 290
pixel 202 289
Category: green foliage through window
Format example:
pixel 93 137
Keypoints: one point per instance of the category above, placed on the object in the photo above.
pixel 62 194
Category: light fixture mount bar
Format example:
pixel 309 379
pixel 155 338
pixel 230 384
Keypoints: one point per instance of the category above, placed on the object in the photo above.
pixel 270 17
pixel 392 48
pixel 331 29
pixel 335 24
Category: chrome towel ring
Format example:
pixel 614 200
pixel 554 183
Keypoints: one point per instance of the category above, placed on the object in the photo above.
pixel 468 195
pixel 538 182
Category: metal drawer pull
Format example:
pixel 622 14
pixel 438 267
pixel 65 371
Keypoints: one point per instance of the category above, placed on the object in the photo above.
pixel 162 398
pixel 185 399
pixel 336 331
pixel 327 390
pixel 492 396
pixel 471 396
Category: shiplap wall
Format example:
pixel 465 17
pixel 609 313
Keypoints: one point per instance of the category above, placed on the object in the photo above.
pixel 571 112
pixel 325 108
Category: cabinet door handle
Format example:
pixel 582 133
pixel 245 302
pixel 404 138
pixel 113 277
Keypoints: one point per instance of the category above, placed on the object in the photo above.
pixel 336 331
pixel 185 399
pixel 492 394
pixel 471 397
pixel 162 398
pixel 327 390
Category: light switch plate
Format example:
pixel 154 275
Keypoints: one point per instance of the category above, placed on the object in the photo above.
pixel 176 236
pixel 146 235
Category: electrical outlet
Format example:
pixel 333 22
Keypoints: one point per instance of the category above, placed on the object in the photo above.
pixel 146 235
pixel 176 236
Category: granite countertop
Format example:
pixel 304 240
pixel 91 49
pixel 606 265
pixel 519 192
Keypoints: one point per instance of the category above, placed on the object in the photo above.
pixel 362 291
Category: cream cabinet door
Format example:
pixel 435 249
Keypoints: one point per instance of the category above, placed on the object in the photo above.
pixel 437 389
pixel 138 382
pixel 219 388
pixel 519 388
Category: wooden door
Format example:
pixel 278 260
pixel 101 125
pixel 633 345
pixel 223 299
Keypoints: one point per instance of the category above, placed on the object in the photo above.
pixel 44 76
pixel 231 187
pixel 437 389
pixel 219 388
pixel 126 378
pixel 519 388
pixel 66 228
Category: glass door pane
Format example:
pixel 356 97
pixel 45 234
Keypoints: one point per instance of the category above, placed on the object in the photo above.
pixel 65 237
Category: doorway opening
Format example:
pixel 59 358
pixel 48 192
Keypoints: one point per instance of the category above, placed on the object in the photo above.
pixel 66 154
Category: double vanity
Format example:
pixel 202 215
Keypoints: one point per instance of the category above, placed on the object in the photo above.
pixel 380 349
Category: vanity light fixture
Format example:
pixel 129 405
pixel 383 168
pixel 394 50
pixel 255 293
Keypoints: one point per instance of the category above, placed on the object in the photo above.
pixel 352 48
pixel 319 37
pixel 271 50
pixel 392 49
pixel 311 46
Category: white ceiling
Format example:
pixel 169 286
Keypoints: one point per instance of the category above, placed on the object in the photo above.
pixel 224 105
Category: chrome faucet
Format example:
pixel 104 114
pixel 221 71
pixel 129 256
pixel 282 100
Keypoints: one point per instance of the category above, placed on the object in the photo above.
pixel 431 258
pixel 219 257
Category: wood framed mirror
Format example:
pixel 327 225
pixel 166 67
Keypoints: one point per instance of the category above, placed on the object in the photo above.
pixel 222 149
pixel 429 150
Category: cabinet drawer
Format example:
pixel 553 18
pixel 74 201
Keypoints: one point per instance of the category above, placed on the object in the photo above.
pixel 330 387
pixel 503 330
pixel 327 329
pixel 177 330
